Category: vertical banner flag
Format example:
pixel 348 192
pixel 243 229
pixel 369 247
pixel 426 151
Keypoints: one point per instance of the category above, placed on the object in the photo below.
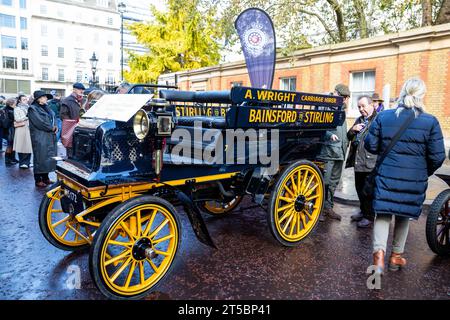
pixel 257 35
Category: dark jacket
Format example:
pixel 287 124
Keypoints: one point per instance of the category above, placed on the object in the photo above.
pixel 358 156
pixel 335 150
pixel 43 139
pixel 402 178
pixel 55 105
pixel 70 108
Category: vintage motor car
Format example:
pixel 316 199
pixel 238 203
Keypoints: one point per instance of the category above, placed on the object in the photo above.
pixel 119 190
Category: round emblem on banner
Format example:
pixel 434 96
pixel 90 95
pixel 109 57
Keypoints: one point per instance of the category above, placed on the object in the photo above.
pixel 255 40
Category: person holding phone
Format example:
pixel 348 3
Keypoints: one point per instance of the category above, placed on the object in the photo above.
pixel 362 160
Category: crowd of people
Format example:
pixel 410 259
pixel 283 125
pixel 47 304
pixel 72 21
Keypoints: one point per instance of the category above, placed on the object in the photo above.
pixel 397 149
pixel 393 152
pixel 32 127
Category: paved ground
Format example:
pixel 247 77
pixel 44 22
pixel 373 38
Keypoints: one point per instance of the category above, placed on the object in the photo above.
pixel 249 264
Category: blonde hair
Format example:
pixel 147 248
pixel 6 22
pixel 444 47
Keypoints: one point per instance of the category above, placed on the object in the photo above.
pixel 411 96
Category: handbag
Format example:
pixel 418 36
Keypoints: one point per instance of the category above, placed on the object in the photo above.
pixel 67 128
pixel 369 184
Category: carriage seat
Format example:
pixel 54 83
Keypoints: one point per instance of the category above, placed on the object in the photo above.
pixel 196 96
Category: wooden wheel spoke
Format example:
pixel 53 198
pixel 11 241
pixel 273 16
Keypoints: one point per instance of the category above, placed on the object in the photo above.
pixel 288 223
pixel 309 183
pixel 152 264
pixel 285 207
pixel 78 233
pixel 163 253
pixel 310 191
pixel 294 185
pixel 312 197
pixel 287 199
pixel 302 216
pixel 289 191
pixel 127 230
pixel 302 189
pixel 286 214
pixel 138 224
pixel 65 232
pixel 120 256
pixel 299 181
pixel 57 210
pixel 130 274
pixel 294 221
pixel 149 225
pixel 120 270
pixel 157 230
pixel 67 218
pixel 156 241
pixel 120 243
pixel 141 272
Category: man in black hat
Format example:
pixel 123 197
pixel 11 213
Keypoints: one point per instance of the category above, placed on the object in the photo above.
pixel 71 105
pixel 333 154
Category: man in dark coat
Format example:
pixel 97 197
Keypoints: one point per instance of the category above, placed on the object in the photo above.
pixel 43 138
pixel 71 105
pixel 333 154
pixel 362 160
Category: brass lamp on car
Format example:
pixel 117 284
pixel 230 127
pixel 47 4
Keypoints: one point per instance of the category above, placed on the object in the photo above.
pixel 141 124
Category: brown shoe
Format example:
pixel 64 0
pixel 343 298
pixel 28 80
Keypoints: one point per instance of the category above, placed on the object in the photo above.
pixel 378 261
pixel 333 215
pixel 396 262
pixel 41 184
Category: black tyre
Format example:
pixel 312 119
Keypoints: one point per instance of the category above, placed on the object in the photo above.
pixel 438 224
pixel 59 228
pixel 135 247
pixel 295 203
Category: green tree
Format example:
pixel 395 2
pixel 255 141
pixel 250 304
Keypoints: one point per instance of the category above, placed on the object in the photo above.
pixel 184 37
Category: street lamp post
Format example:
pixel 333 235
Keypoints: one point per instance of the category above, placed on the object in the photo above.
pixel 93 61
pixel 121 7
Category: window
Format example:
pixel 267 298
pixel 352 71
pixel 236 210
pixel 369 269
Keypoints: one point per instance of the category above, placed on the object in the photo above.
pixel 14 86
pixel 44 30
pixel 7 21
pixel 9 42
pixel 60 52
pixel 23 23
pixel 361 83
pixel 288 84
pixel 24 43
pixel 43 9
pixel 9 63
pixel 6 2
pixel 25 64
pixel 79 75
pixel 23 4
pixel 103 3
pixel 110 42
pixel 44 51
pixel 237 84
pixel 61 75
pixel 110 58
pixel 110 21
pixel 44 73
pixel 79 55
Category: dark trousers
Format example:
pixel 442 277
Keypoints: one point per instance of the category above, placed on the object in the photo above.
pixel 10 155
pixel 41 177
pixel 365 204
pixel 24 158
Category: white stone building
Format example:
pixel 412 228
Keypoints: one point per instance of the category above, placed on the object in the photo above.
pixel 15 49
pixel 65 34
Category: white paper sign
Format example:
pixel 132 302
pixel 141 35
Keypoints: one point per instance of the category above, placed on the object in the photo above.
pixel 120 107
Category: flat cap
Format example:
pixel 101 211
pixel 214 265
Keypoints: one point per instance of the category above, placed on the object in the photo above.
pixel 78 85
pixel 342 90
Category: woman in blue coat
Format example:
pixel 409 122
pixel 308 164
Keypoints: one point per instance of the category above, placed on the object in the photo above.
pixel 402 178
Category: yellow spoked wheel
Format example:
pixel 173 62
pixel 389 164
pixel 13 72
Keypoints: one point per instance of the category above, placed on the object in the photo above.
pixel 296 203
pixel 135 247
pixel 216 208
pixel 60 228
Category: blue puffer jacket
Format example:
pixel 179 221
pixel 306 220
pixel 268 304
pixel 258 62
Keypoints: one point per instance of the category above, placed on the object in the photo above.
pixel 402 178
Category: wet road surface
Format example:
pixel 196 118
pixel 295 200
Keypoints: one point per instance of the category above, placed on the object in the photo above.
pixel 249 264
